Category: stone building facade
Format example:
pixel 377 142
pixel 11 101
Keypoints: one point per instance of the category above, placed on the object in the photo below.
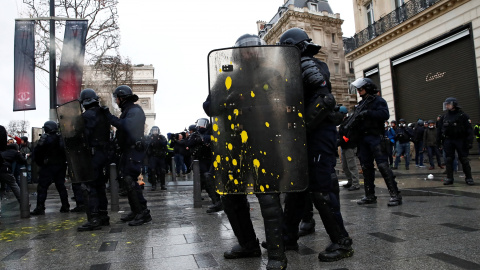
pixel 324 28
pixel 419 52
pixel 140 79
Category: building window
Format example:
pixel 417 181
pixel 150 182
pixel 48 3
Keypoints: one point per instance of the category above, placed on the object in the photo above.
pixel 333 37
pixel 337 68
pixel 370 17
pixel 350 67
pixel 399 3
pixel 313 7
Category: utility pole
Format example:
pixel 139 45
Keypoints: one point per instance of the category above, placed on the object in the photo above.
pixel 53 65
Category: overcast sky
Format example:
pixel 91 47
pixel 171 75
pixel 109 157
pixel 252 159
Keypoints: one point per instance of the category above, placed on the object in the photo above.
pixel 174 36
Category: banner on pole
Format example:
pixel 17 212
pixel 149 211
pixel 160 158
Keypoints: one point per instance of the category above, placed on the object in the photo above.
pixel 24 66
pixel 71 64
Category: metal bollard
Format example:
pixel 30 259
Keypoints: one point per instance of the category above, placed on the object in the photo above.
pixel 114 197
pixel 174 176
pixel 24 199
pixel 197 185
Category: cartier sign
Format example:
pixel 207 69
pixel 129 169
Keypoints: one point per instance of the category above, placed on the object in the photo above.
pixel 433 76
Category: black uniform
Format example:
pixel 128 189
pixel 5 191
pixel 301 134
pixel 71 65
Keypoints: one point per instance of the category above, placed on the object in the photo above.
pixel 199 144
pixel 97 131
pixel 456 134
pixel 157 152
pixel 129 137
pixel 49 154
pixel 372 145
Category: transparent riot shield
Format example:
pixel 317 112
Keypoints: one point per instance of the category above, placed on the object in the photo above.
pixel 72 129
pixel 259 135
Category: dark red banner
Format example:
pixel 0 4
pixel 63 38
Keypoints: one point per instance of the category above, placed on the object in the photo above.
pixel 24 66
pixel 71 65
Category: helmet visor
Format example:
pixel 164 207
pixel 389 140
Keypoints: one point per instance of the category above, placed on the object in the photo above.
pixel 251 41
pixel 202 122
pixel 359 83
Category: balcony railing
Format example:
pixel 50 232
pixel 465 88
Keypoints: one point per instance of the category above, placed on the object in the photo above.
pixel 387 22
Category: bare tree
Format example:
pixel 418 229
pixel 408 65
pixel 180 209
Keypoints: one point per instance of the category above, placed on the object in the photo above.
pixel 103 36
pixel 18 127
pixel 108 73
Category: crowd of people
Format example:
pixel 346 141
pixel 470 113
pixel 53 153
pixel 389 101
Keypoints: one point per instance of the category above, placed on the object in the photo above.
pixel 365 134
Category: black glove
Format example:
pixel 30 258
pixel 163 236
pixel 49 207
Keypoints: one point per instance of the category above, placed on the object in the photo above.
pixel 362 114
pixel 105 109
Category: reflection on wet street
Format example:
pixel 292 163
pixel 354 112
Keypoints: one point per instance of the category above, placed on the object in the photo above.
pixel 436 227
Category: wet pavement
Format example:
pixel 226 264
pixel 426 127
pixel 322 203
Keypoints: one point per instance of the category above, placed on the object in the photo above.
pixel 437 227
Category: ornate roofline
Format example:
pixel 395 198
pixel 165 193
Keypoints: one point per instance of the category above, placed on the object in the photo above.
pixel 408 26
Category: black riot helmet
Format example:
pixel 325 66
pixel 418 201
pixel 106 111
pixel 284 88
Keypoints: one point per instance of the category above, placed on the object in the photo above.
pixel 202 122
pixel 452 101
pixel 431 122
pixel 367 84
pixel 155 130
pixel 88 97
pixel 249 40
pixel 192 128
pixel 50 127
pixel 299 38
pixel 125 92
pixel 420 122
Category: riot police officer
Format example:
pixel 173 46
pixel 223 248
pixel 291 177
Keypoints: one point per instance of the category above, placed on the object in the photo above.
pixel 49 154
pixel 237 207
pixel 97 131
pixel 367 124
pixel 320 118
pixel 156 152
pixel 199 145
pixel 130 126
pixel 455 134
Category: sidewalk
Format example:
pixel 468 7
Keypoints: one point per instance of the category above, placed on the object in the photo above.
pixel 436 228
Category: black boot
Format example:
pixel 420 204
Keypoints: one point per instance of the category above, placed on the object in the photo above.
pixel 337 251
pixel 341 247
pixel 369 178
pixel 273 220
pixel 251 249
pixel 467 170
pixel 103 214
pixel 65 208
pixel 39 210
pixel 387 174
pixel 370 199
pixel 307 227
pixel 154 187
pixel 128 217
pixel 78 209
pixel 218 206
pixel 94 223
pixel 449 171
pixel 141 218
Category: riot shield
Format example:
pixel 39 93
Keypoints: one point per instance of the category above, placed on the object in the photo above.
pixel 72 128
pixel 259 135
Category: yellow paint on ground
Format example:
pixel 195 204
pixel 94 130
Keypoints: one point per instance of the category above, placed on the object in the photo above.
pixel 267 124
pixel 235 181
pixel 252 94
pixel 229 117
pixel 235 112
pixel 234 162
pixel 300 115
pixel 230 146
pixel 289 158
pixel 215 127
pixel 265 87
pixel 262 189
pixel 218 158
